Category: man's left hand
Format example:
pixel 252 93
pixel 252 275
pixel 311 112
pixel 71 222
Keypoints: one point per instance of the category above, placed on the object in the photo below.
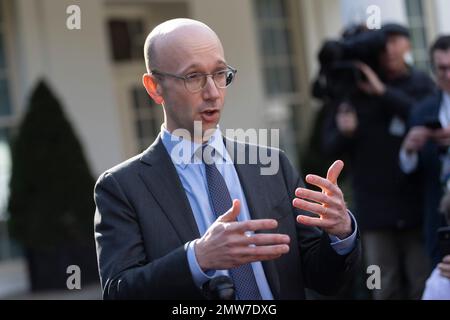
pixel 329 204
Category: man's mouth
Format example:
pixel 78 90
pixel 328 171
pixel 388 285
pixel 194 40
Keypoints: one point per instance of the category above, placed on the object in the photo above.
pixel 210 115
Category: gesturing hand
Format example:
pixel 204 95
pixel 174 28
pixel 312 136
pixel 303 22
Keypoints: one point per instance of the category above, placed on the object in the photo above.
pixel 227 244
pixel 329 204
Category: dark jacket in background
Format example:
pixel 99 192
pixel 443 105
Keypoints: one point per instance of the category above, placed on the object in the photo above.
pixel 430 168
pixel 383 196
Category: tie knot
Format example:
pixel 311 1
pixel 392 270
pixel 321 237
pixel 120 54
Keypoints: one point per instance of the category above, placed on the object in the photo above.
pixel 207 154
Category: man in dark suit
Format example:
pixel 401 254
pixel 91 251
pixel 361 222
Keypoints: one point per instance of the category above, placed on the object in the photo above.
pixel 425 147
pixel 169 222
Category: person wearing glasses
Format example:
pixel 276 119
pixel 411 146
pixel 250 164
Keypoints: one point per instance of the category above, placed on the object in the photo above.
pixel 425 149
pixel 169 225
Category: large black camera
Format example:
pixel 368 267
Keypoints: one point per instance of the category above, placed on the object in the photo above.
pixel 339 74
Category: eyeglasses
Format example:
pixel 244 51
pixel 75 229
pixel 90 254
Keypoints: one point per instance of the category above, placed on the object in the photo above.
pixel 194 82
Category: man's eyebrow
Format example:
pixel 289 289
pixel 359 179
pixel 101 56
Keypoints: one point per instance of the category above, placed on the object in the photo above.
pixel 196 66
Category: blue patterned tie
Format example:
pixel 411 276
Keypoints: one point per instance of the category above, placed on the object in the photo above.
pixel 243 277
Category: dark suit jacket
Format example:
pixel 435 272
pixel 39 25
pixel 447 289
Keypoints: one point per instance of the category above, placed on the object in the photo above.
pixel 430 169
pixel 144 222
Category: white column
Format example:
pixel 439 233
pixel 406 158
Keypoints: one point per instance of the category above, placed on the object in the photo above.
pixel 442 13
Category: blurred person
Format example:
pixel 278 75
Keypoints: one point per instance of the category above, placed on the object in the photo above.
pixel 165 228
pixel 368 126
pixel 425 148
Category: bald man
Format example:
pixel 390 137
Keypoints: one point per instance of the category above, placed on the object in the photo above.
pixel 167 223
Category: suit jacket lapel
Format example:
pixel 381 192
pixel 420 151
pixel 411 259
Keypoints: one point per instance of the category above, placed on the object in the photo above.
pixel 161 178
pixel 257 202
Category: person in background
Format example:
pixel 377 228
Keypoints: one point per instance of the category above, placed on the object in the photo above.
pixel 425 148
pixel 369 128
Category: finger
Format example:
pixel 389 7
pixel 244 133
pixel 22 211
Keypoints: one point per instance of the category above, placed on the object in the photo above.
pixel 316 196
pixel 255 258
pixel 267 239
pixel 445 274
pixel 311 207
pixel 312 222
pixel 254 225
pixel 232 213
pixel 361 66
pixel 446 259
pixel 444 267
pixel 268 251
pixel 334 171
pixel 444 271
pixel 322 183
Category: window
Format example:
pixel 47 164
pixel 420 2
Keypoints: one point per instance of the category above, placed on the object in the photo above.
pixel 279 42
pixel 274 28
pixel 417 23
pixel 127 37
pixel 5 103
pixel 147 117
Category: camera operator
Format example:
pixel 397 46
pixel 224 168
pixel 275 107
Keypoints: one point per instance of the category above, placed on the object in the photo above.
pixel 368 123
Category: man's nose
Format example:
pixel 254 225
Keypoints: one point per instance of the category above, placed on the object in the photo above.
pixel 210 91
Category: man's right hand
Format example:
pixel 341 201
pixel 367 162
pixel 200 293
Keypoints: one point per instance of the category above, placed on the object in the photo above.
pixel 416 139
pixel 226 244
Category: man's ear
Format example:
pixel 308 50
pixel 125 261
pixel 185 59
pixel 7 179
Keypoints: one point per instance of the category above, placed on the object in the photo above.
pixel 153 88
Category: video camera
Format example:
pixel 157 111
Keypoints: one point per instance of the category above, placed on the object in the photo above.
pixel 337 61
pixel 338 72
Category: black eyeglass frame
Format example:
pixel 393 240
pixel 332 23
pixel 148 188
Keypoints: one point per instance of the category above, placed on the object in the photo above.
pixel 205 75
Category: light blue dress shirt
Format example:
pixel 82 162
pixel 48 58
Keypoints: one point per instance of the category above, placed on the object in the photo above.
pixel 191 171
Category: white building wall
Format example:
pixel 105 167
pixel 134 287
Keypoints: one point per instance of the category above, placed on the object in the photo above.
pixel 442 14
pixel 321 19
pixel 76 65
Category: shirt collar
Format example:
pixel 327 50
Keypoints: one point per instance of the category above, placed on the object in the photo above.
pixel 183 151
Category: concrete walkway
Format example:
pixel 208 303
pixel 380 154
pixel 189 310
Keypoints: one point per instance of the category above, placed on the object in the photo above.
pixel 92 292
pixel 14 285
